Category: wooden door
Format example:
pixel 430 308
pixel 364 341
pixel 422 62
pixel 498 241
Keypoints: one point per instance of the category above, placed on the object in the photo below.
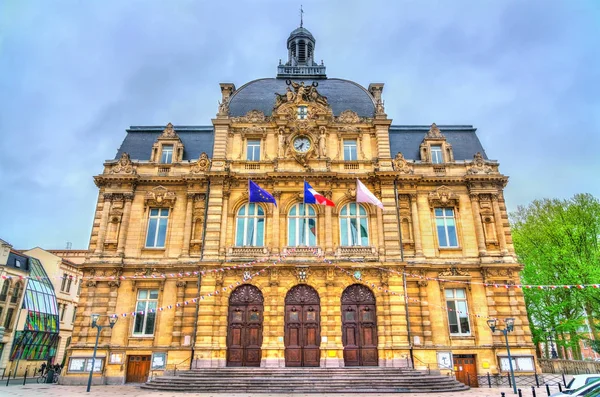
pixel 138 368
pixel 466 369
pixel 302 327
pixel 245 323
pixel 359 326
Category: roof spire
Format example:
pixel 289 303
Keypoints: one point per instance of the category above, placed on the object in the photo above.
pixel 301 14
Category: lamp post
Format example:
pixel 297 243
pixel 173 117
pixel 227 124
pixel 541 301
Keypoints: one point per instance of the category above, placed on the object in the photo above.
pixel 510 324
pixel 112 320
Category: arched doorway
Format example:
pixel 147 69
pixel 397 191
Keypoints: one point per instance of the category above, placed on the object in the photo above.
pixel 244 329
pixel 359 326
pixel 302 327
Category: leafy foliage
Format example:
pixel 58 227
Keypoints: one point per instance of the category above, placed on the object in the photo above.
pixel 558 241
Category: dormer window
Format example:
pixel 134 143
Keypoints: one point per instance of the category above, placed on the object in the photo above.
pixel 436 154
pixel 166 156
pixel 302 112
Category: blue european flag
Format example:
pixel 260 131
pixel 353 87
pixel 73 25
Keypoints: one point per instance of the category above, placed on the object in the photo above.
pixel 258 195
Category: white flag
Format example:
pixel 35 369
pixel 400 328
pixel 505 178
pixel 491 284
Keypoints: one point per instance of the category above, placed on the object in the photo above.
pixel 364 195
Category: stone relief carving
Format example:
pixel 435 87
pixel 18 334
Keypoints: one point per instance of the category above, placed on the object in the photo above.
pixel 160 197
pixel 302 274
pixel 401 165
pixel 443 197
pixel 245 294
pixel 302 294
pixel 202 165
pixel 357 293
pixel 253 116
pixel 123 166
pixel 169 132
pixel 223 107
pixel 322 141
pixel 379 107
pixel 478 166
pixel 348 117
pixel 453 271
pixel 434 132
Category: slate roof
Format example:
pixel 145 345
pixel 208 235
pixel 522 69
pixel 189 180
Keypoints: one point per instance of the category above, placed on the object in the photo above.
pixel 139 140
pixel 341 95
pixel 408 138
pixel 14 256
pixel 403 138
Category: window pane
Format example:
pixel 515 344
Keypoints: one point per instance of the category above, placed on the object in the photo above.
pixel 452 236
pixel 364 234
pixel 139 321
pixel 344 232
pixel 260 232
pixel 312 223
pixel 162 233
pixel 239 239
pixel 141 306
pixel 439 211
pixel 441 231
pixel 464 325
pixel 142 294
pixel 164 212
pixel 242 210
pixel 154 294
pixel 344 210
pixel 292 232
pixel 150 238
pixel 362 210
pixel 460 293
pixel 250 231
pixel 352 208
pixel 150 323
pixel 260 210
pixel 353 232
pixel 449 212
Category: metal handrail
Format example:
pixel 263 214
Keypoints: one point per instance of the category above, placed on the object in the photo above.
pixel 423 362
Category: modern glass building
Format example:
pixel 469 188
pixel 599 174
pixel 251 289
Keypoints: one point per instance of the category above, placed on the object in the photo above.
pixel 38 338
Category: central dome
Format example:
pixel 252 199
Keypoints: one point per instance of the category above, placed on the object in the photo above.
pixel 300 32
pixel 341 95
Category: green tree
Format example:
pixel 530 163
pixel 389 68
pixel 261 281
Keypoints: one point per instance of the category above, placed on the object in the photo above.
pixel 558 243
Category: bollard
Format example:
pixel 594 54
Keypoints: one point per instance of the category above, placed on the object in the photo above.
pixel 532 391
pixel 559 387
pixel 547 389
pixel 8 378
pixel 25 376
pixel 537 380
pixel 520 394
pixel 489 380
pixel 503 394
pixel 564 380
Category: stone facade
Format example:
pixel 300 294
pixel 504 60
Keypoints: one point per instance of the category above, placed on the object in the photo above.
pixel 402 257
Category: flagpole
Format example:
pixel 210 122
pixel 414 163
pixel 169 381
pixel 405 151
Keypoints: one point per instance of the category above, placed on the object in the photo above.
pixel 303 209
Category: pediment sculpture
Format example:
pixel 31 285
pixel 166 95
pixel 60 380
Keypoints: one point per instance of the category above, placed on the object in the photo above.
pixel 202 165
pixel 300 94
pixel 443 197
pixel 123 166
pixel 478 166
pixel 434 132
pixel 253 116
pixel 401 165
pixel 348 117
pixel 169 132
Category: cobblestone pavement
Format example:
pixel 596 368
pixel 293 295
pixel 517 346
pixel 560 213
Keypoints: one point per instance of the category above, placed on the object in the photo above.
pixel 132 390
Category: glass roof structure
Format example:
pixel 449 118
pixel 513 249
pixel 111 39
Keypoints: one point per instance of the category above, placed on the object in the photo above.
pixel 39 339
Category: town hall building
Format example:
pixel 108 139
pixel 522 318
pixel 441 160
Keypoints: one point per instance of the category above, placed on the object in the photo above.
pixel 198 275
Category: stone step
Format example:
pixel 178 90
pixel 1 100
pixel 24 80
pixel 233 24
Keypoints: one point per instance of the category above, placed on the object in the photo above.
pixel 305 380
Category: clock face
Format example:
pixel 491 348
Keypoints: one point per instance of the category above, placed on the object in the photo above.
pixel 302 144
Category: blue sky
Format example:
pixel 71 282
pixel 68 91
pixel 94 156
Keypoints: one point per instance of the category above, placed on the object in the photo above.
pixel 75 74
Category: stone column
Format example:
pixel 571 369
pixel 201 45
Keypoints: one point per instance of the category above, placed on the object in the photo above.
pixel 416 224
pixel 380 238
pixel 103 223
pixel 124 224
pixel 478 225
pixel 223 231
pixel 499 224
pixel 178 321
pixel 276 243
pixel 187 228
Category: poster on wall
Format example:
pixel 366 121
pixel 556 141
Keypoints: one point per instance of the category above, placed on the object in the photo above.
pixel 159 360
pixel 444 360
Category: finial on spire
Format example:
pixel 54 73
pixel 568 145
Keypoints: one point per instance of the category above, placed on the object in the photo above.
pixel 301 19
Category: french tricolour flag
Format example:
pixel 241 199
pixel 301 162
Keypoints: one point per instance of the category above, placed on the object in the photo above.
pixel 312 197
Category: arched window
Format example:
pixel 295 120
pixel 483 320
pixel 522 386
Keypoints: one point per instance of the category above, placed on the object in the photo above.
pixel 4 291
pixel 250 230
pixel 302 226
pixel 354 226
pixel 16 293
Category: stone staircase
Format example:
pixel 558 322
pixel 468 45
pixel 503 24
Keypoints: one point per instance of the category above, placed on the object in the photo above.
pixel 306 380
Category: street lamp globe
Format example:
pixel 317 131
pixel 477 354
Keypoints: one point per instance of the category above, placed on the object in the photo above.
pixel 492 324
pixel 510 324
pixel 95 318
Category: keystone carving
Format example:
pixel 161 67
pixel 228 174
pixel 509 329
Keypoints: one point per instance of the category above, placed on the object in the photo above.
pixel 160 197
pixel 443 197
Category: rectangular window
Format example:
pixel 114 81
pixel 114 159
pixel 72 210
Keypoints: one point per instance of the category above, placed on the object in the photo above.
pixel 458 313
pixel 9 316
pixel 446 227
pixel 74 314
pixel 166 156
pixel 157 228
pixel 350 150
pixel 79 288
pixel 520 364
pixel 64 280
pixel 69 281
pixel 436 154
pixel 302 112
pixel 253 152
pixel 62 312
pixel 145 312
